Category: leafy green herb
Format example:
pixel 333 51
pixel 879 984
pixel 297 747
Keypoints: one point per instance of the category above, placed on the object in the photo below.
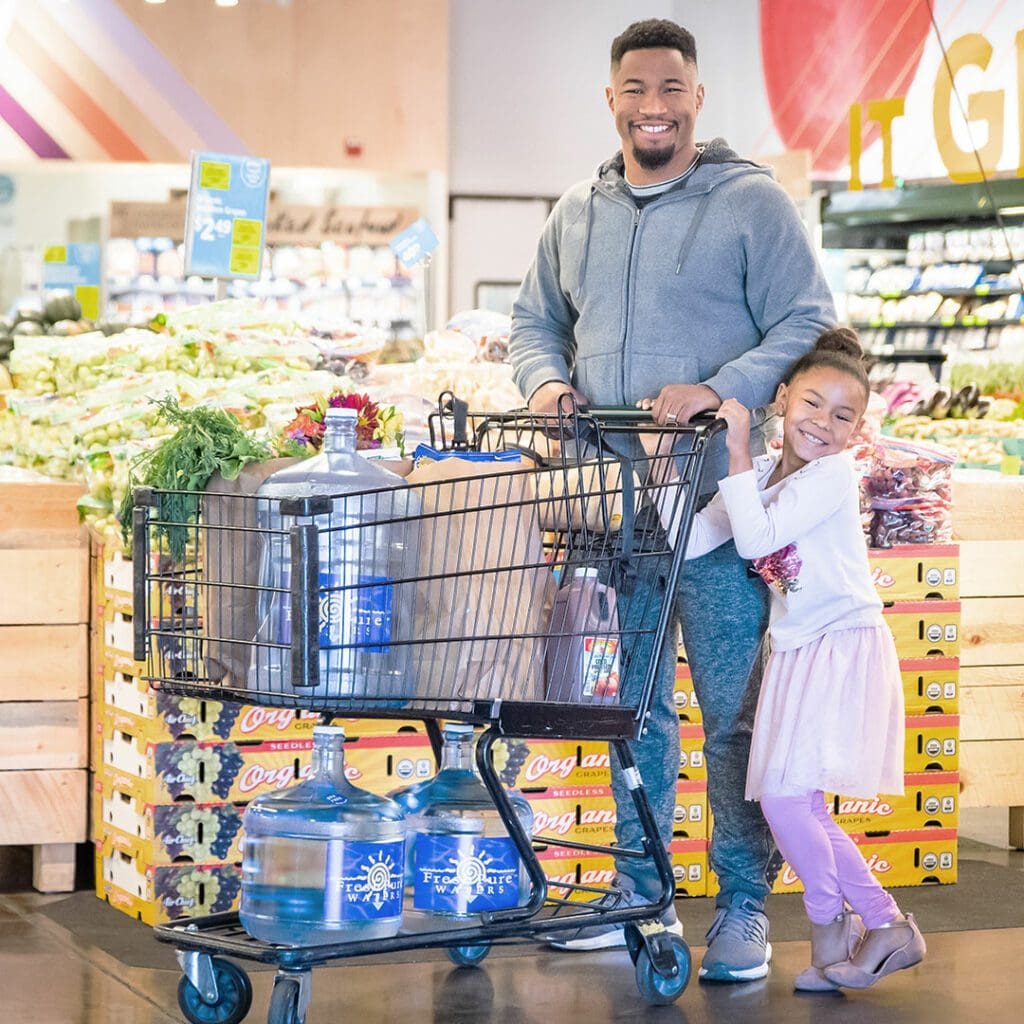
pixel 207 441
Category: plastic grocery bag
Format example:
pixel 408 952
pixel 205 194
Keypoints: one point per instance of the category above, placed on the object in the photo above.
pixel 485 594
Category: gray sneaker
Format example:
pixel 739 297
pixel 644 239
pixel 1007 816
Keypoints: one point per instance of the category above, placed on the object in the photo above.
pixel 609 936
pixel 738 946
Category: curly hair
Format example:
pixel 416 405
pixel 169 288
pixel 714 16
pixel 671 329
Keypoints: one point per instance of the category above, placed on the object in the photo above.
pixel 654 33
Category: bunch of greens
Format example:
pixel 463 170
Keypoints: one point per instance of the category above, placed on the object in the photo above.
pixel 207 441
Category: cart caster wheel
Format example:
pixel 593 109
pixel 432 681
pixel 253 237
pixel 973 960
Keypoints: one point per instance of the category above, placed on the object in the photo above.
pixel 284 1002
pixel 659 990
pixel 468 956
pixel 234 996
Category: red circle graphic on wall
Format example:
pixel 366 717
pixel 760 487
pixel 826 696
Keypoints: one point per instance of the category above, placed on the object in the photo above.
pixel 820 57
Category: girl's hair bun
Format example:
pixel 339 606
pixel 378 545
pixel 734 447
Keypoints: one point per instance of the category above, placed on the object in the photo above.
pixel 842 340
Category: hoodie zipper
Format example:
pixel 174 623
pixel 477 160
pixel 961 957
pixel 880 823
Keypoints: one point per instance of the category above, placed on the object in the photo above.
pixel 629 305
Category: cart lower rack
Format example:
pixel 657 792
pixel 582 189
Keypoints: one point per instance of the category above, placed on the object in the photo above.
pixel 441 598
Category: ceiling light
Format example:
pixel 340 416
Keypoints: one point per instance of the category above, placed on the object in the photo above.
pixel 226 3
pixel 1012 211
pixel 156 1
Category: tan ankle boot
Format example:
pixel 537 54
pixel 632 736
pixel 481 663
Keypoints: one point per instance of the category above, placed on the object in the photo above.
pixel 831 943
pixel 892 947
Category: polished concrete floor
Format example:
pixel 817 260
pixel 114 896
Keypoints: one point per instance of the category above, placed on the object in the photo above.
pixel 48 976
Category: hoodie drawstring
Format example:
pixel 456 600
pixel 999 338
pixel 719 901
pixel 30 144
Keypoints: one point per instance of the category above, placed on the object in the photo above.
pixel 587 228
pixel 691 235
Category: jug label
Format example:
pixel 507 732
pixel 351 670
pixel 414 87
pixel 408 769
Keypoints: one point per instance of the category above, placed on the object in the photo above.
pixel 371 880
pixel 330 609
pixel 373 613
pixel 465 874
pixel 600 666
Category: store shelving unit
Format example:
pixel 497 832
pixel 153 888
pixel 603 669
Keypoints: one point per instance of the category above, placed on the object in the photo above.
pixel 918 228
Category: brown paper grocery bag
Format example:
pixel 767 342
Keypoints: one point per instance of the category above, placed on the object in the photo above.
pixel 486 577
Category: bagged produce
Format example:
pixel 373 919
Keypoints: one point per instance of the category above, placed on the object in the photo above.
pixel 910 491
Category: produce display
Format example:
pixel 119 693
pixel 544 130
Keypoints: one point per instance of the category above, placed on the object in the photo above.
pixel 87 407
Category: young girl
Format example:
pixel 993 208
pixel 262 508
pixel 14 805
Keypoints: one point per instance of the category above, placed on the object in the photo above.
pixel 830 713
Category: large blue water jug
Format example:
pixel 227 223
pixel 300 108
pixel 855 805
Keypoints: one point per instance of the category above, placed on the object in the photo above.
pixel 323 860
pixel 367 545
pixel 461 860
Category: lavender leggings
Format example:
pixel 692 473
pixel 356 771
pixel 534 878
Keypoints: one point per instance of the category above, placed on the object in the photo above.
pixel 826 860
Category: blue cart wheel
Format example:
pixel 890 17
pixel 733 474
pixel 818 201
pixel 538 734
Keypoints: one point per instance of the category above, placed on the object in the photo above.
pixel 234 996
pixel 654 987
pixel 468 956
pixel 284 1002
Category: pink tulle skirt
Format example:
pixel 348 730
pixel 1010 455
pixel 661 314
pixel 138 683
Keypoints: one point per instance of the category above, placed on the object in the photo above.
pixel 830 717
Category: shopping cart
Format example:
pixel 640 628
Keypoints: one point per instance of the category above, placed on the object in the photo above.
pixel 483 545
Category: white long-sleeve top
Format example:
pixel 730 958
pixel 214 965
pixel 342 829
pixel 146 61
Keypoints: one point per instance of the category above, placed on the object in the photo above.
pixel 804 537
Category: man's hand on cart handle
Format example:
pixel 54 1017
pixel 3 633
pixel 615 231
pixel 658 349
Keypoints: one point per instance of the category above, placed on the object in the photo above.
pixel 677 404
pixel 544 401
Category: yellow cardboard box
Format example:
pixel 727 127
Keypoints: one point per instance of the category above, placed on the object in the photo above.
pixel 684 696
pixel 541 764
pixel 166 892
pixel 931 685
pixel 919 857
pixel 588 813
pixel 924 629
pixel 164 833
pixel 930 799
pixel 932 743
pixel 691 752
pixel 916 572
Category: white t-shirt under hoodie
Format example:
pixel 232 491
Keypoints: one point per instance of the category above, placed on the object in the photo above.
pixel 805 539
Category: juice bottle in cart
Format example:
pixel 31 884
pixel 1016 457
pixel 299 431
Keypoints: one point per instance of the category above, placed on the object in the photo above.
pixel 367 543
pixel 462 861
pixel 582 658
pixel 323 860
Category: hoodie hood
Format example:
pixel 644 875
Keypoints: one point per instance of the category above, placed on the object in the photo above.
pixel 717 162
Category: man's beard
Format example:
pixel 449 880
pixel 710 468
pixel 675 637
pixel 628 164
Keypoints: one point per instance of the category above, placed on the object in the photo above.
pixel 653 159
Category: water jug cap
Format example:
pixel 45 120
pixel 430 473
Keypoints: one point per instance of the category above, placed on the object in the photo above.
pixel 587 572
pixel 341 414
pixel 329 730
pixel 460 728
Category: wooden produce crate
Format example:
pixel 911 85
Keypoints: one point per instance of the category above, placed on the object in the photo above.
pixel 988 518
pixel 44 679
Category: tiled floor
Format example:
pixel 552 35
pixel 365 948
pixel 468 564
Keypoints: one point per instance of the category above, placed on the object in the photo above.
pixel 47 976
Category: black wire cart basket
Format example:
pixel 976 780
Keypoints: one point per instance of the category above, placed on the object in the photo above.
pixel 462 623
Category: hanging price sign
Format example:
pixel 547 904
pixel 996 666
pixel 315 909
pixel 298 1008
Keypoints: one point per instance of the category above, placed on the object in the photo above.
pixel 225 226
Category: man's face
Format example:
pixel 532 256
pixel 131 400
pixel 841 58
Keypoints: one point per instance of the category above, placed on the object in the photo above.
pixel 655 98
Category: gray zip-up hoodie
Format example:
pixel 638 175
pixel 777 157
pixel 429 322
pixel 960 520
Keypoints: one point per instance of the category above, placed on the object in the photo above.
pixel 713 282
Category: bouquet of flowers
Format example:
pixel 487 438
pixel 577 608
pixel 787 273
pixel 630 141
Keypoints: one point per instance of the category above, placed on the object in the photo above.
pixel 377 425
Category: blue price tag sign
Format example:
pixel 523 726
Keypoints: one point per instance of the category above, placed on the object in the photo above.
pixel 414 244
pixel 74 268
pixel 225 228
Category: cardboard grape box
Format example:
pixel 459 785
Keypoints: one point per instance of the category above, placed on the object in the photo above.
pixel 931 685
pixel 164 833
pixel 932 743
pixel 916 572
pixel 560 865
pixel 691 752
pixel 166 892
pixel 684 696
pixel 924 629
pixel 542 764
pixel 132 705
pixel 919 857
pixel 589 813
pixel 930 799
pixel 210 772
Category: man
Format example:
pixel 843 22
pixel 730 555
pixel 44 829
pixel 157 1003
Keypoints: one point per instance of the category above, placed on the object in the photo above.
pixel 680 276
